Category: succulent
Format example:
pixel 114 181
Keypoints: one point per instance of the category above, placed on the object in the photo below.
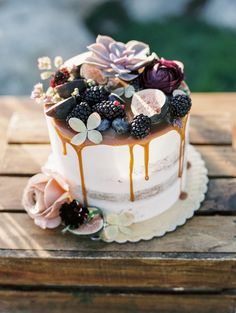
pixel 116 59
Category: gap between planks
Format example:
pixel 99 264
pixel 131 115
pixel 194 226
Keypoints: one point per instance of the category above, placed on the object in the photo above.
pixel 69 302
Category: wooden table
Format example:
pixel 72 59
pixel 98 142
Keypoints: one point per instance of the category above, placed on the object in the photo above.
pixel 190 270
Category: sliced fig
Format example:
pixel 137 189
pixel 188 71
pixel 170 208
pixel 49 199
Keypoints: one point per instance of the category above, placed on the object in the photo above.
pixel 65 90
pixel 61 109
pixel 90 228
pixel 150 102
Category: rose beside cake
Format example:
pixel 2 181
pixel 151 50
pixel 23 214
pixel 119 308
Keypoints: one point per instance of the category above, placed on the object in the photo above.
pixel 118 119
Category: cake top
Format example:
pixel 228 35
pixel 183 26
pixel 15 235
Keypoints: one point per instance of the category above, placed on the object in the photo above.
pixel 114 90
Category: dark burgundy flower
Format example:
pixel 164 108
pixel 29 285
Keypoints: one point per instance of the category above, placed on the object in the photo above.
pixel 162 74
pixel 60 77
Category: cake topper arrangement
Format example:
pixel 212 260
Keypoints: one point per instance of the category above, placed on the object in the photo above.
pixel 119 89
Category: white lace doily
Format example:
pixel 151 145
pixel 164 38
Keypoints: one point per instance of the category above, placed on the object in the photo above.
pixel 177 214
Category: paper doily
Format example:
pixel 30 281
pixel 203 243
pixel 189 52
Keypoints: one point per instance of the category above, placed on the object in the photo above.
pixel 176 215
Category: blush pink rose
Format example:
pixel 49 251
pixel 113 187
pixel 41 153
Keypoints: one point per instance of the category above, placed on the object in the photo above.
pixel 43 197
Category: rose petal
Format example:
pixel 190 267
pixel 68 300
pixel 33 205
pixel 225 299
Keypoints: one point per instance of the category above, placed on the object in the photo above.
pixel 94 121
pixel 47 223
pixel 95 136
pixel 79 138
pixel 52 192
pixel 55 208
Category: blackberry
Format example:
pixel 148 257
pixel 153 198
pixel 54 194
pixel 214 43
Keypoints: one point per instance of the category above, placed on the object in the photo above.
pixel 140 126
pixel 82 111
pixel 73 214
pixel 180 105
pixel 60 77
pixel 95 94
pixel 110 109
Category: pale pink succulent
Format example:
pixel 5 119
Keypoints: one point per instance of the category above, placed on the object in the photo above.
pixel 117 59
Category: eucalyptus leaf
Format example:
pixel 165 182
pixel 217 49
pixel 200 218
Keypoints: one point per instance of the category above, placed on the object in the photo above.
pixel 119 91
pixel 129 91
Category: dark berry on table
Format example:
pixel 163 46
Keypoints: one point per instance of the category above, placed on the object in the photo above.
pixel 120 125
pixel 110 109
pixel 180 105
pixel 81 111
pixel 60 77
pixel 95 94
pixel 105 125
pixel 140 127
pixel 73 214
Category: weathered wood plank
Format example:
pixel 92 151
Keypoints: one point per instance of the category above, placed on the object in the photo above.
pixel 211 129
pixel 220 198
pixel 208 102
pixel 24 159
pixel 220 161
pixel 28 127
pixel 122 271
pixel 31 127
pixel 200 234
pixel 28 159
pixel 92 302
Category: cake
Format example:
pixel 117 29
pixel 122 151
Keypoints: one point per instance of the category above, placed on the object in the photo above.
pixel 118 122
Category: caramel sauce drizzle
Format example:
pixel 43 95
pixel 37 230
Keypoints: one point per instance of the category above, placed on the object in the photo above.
pixel 131 168
pixel 65 137
pixel 146 159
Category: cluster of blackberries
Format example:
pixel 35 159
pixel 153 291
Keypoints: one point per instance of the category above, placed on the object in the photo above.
pixel 96 98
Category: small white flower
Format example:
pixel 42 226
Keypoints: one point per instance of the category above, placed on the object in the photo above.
pixel 44 63
pixel 75 92
pixel 46 75
pixel 118 223
pixel 84 132
pixel 37 92
pixel 58 61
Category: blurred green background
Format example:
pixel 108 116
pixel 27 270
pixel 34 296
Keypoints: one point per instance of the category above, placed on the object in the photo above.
pixel 200 33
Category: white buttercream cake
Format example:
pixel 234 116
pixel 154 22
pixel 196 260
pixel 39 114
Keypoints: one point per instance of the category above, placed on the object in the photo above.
pixel 118 121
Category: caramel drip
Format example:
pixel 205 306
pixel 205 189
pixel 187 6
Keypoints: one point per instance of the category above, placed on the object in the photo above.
pixel 146 159
pixel 181 132
pixel 81 169
pixel 131 168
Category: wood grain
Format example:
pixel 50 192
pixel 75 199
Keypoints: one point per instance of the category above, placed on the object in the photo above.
pixel 123 271
pixel 220 198
pixel 24 159
pixel 28 159
pixel 200 234
pixel 92 302
pixel 28 127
